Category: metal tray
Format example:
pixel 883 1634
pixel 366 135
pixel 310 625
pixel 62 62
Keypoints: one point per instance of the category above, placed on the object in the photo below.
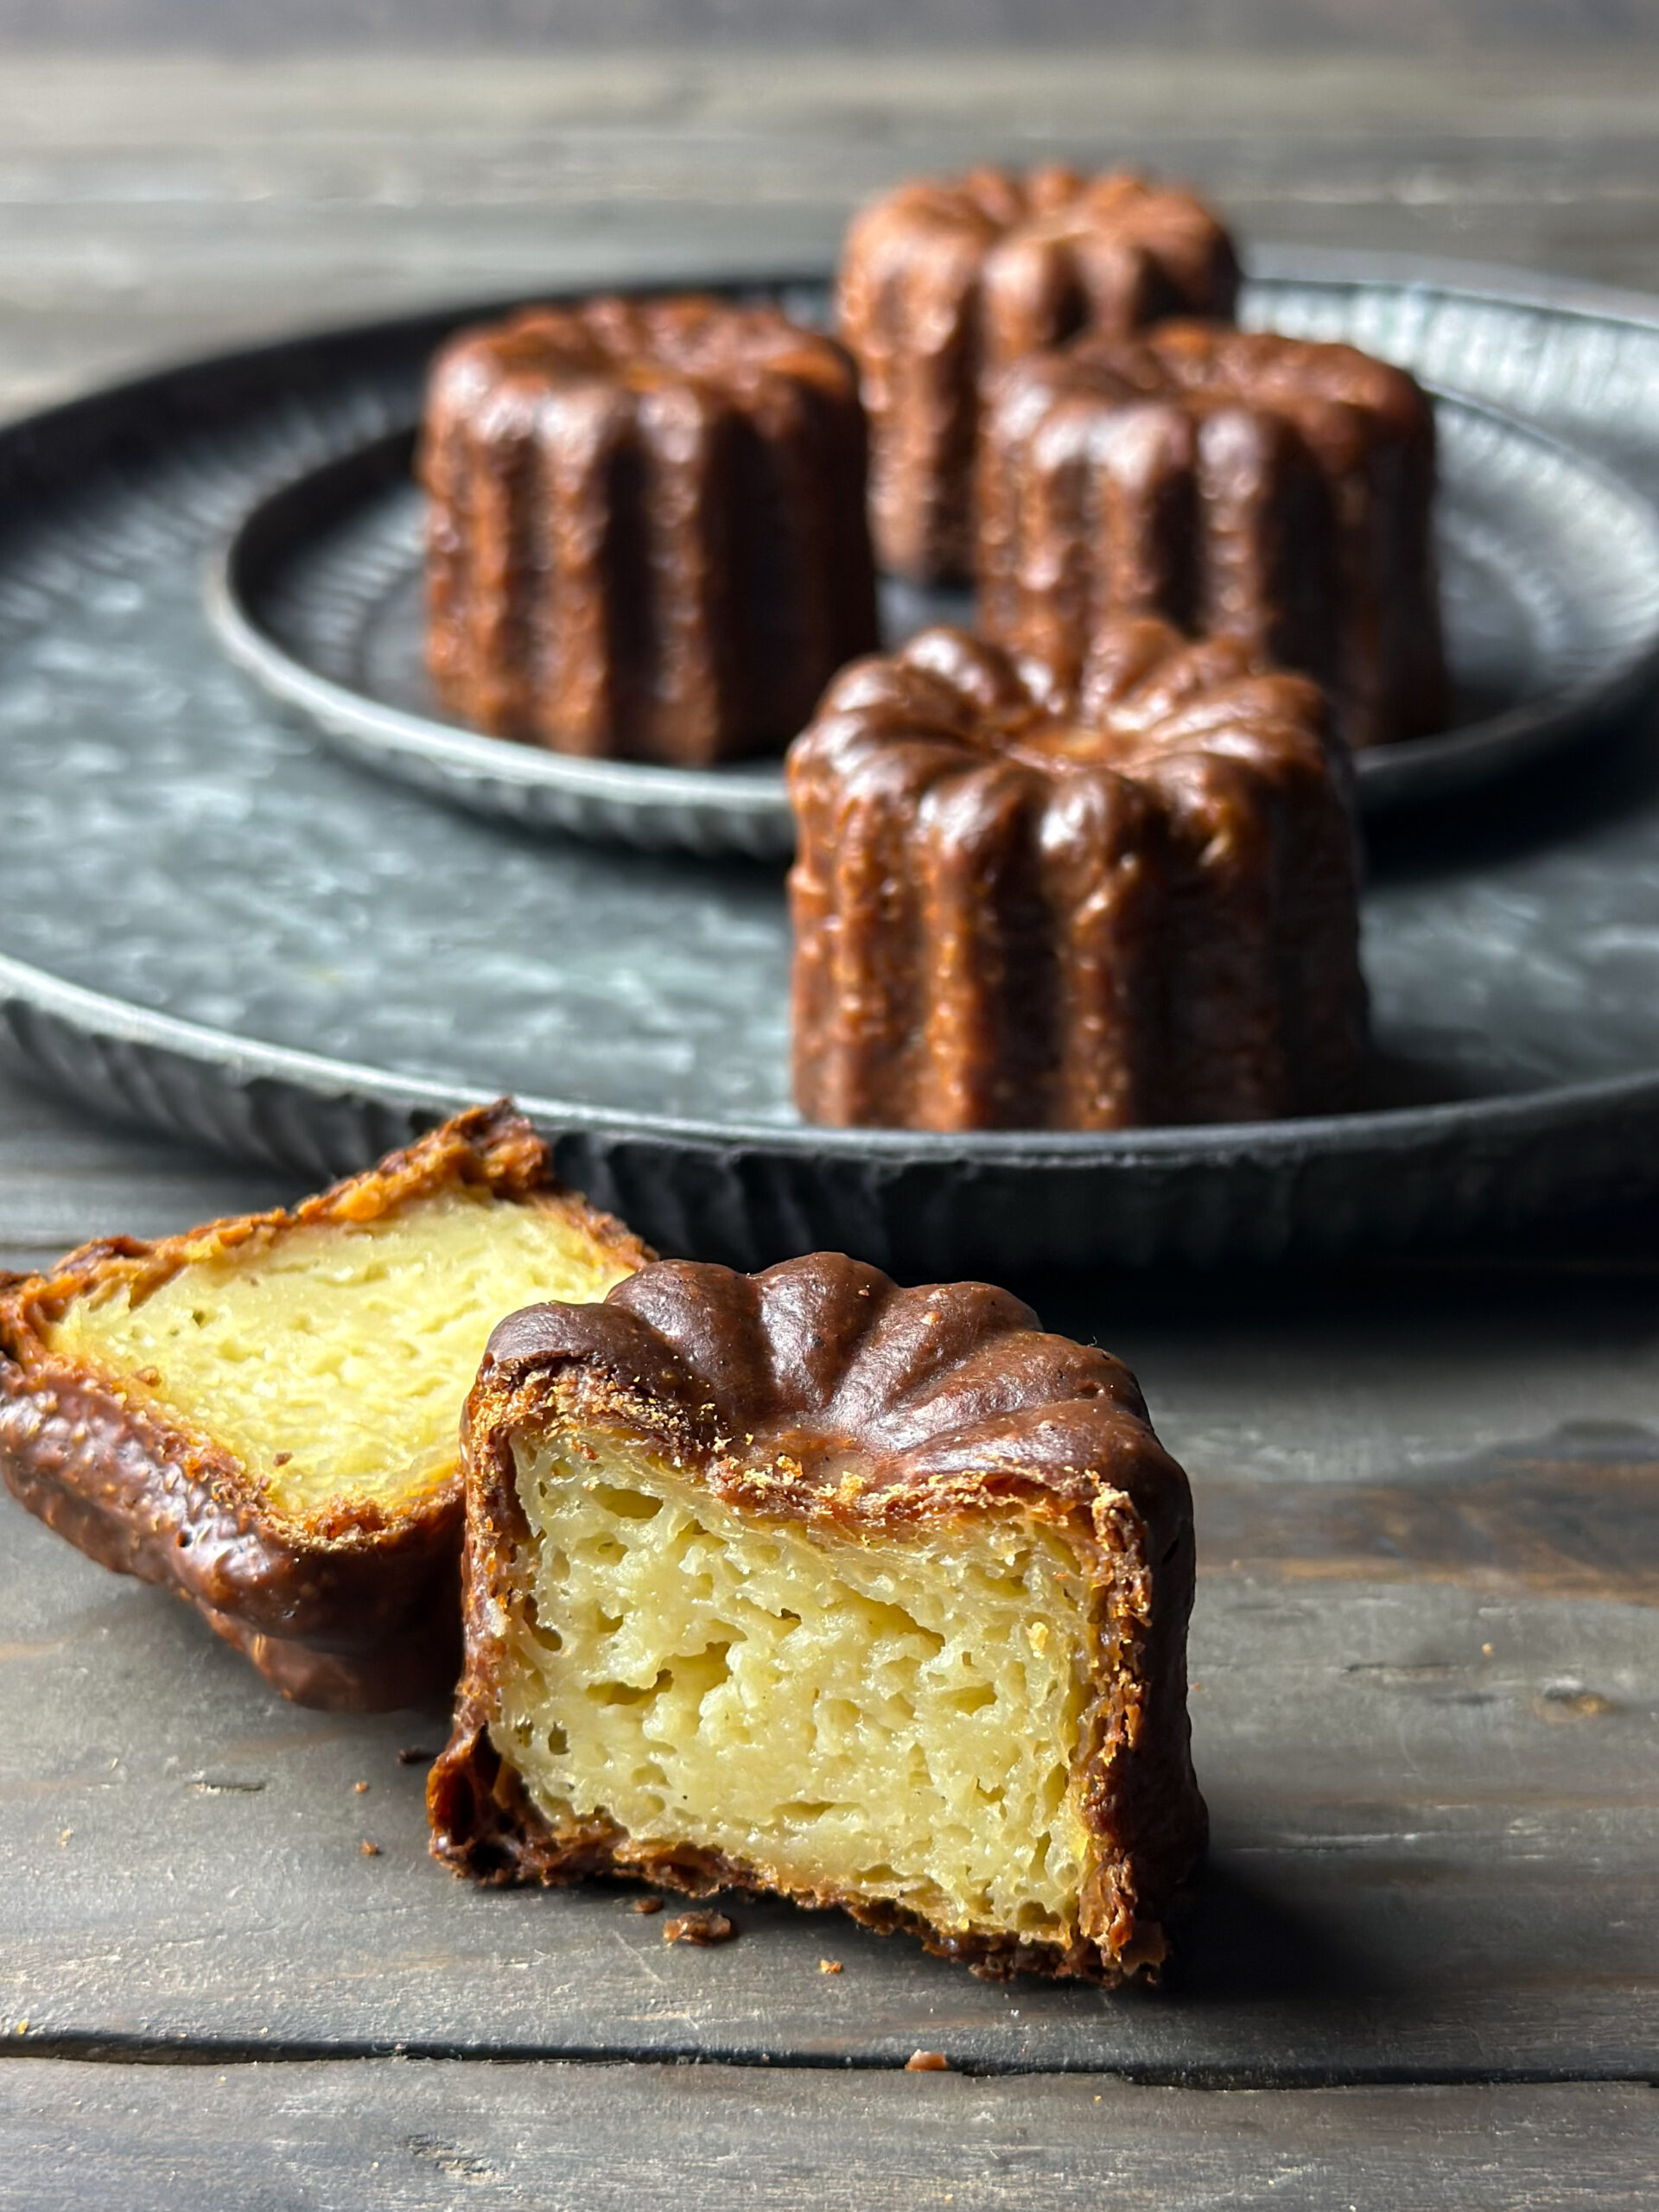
pixel 1549 573
pixel 209 920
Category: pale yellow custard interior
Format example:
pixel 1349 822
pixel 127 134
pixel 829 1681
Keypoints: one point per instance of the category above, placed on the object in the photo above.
pixel 894 1719
pixel 333 1359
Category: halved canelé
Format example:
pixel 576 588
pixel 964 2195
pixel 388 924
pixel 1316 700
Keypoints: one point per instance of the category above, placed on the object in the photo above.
pixel 801 1582
pixel 265 1413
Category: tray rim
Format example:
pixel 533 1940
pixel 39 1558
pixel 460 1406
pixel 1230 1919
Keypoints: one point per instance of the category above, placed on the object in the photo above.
pixel 336 707
pixel 235 1062
pixel 97 1014
pixel 750 801
pixel 1504 284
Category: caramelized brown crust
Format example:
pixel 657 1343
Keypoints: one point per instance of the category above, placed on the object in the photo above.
pixel 1019 906
pixel 942 281
pixel 646 538
pixel 348 1606
pixel 1233 482
pixel 820 1392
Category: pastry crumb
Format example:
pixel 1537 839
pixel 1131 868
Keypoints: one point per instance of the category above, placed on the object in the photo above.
pixel 368 1850
pixel 829 1966
pixel 701 1928
pixel 360 1789
pixel 927 2062
pixel 647 1904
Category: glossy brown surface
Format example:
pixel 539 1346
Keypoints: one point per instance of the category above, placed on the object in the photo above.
pixel 1018 905
pixel 1424 1884
pixel 352 1605
pixel 646 538
pixel 818 1392
pixel 944 280
pixel 1234 483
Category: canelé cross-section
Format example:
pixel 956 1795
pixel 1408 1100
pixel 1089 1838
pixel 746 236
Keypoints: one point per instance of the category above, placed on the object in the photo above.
pixel 802 1582
pixel 263 1414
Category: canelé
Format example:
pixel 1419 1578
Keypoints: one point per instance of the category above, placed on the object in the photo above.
pixel 264 1414
pixel 646 536
pixel 1234 482
pixel 1022 904
pixel 800 1582
pixel 943 280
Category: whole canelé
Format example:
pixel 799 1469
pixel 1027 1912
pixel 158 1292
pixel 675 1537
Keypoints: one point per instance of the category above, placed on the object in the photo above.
pixel 1021 904
pixel 646 536
pixel 1234 482
pixel 943 280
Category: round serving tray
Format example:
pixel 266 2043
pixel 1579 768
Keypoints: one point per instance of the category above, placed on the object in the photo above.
pixel 210 920
pixel 1549 571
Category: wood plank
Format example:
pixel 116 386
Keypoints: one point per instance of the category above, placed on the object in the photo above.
pixel 390 2137
pixel 1426 1635
pixel 168 204
pixel 1448 26
pixel 1436 1816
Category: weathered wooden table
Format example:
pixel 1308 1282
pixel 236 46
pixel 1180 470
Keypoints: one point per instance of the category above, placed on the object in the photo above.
pixel 1425 1968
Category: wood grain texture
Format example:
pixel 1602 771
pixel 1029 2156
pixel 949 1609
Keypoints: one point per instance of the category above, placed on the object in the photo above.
pixel 1436 27
pixel 1426 1643
pixel 1435 1802
pixel 153 206
pixel 389 2137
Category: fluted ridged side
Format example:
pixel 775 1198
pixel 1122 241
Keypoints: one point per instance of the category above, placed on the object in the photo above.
pixel 646 536
pixel 577 662
pixel 1234 484
pixel 944 282
pixel 995 928
pixel 857 988
pixel 1105 878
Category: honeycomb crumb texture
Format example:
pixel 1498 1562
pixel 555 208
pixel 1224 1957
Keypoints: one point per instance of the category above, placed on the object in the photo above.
pixel 333 1359
pixel 897 1718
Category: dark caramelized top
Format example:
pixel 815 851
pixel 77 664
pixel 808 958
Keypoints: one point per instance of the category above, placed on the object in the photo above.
pixel 819 1389
pixel 642 345
pixel 1120 248
pixel 1151 694
pixel 1341 400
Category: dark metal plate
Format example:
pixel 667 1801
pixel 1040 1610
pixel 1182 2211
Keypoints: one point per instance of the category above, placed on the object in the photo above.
pixel 1550 583
pixel 208 920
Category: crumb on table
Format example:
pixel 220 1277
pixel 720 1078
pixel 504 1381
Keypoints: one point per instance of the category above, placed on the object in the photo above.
pixel 700 1928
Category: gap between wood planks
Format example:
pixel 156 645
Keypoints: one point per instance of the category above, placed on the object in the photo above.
pixel 241 2051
